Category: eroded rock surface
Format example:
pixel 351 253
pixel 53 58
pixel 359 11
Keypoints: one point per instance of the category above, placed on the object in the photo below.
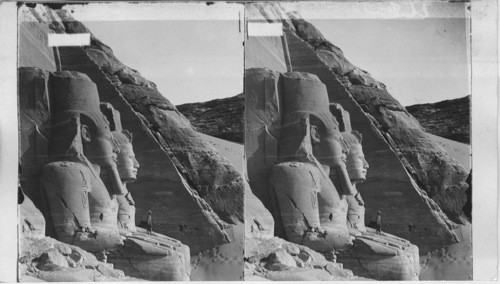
pixel 31 219
pixel 279 260
pixel 152 257
pixel 43 258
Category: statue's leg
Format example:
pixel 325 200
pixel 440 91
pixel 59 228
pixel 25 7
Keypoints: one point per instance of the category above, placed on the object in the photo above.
pixel 66 185
pixel 297 185
pixel 296 189
pixel 333 217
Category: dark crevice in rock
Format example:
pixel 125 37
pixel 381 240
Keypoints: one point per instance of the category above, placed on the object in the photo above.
pixel 75 219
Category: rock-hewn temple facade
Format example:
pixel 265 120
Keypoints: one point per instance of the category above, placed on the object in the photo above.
pixel 335 180
pixel 99 148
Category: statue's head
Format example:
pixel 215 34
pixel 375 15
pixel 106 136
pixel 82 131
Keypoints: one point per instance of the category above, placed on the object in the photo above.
pixel 77 121
pixel 80 131
pixel 308 126
pixel 357 165
pixel 127 164
pixel 122 142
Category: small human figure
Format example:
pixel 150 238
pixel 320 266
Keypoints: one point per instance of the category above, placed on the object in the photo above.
pixel 379 223
pixel 149 223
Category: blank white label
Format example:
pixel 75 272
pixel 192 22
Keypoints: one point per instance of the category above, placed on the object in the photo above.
pixel 69 39
pixel 265 29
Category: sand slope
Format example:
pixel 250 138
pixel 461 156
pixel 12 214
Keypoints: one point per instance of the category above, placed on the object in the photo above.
pixel 461 152
pixel 453 262
pixel 232 151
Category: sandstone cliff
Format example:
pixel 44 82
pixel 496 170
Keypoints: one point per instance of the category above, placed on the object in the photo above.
pixel 449 119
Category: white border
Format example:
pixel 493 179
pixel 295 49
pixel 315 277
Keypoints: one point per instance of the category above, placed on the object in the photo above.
pixel 484 136
pixel 8 142
pixel 160 11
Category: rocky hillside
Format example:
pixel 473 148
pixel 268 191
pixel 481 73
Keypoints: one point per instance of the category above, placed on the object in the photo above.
pixel 449 119
pixel 221 118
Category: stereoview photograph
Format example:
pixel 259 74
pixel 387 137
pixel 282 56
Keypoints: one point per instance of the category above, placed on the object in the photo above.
pixel 115 182
pixel 314 141
pixel 360 179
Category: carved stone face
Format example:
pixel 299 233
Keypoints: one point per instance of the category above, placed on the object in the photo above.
pixel 127 164
pixel 328 146
pixel 357 165
pixel 98 146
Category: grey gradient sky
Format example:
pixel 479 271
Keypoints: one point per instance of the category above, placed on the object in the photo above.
pixel 419 60
pixel 188 60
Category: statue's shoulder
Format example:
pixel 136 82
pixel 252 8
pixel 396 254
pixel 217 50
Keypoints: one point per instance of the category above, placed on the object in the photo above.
pixel 295 167
pixel 65 165
pixel 293 172
pixel 66 169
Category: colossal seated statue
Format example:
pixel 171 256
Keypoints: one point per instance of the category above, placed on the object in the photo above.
pixel 310 147
pixel 154 257
pixel 357 167
pixel 380 256
pixel 127 168
pixel 82 182
pixel 80 151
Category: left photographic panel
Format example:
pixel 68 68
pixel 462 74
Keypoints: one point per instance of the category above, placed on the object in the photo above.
pixel 123 174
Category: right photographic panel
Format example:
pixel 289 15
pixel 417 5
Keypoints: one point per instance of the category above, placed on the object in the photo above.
pixel 357 141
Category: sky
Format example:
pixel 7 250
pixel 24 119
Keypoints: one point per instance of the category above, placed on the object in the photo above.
pixel 193 52
pixel 189 61
pixel 419 60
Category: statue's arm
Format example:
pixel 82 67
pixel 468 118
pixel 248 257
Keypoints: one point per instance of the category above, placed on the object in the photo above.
pixel 129 199
pixel 359 199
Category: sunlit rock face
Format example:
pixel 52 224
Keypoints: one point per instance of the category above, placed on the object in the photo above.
pixel 403 162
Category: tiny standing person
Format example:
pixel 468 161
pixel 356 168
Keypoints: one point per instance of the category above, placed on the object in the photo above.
pixel 379 223
pixel 149 223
